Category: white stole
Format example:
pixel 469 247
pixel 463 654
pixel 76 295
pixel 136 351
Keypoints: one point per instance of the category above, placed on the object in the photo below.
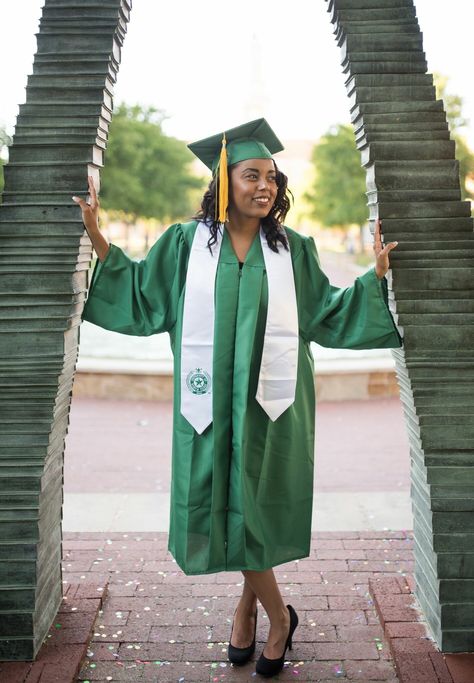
pixel 198 330
pixel 278 369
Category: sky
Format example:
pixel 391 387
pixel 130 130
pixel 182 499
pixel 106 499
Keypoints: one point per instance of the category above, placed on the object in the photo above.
pixel 275 59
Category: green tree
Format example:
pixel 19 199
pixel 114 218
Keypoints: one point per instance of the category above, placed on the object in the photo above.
pixel 453 105
pixel 146 172
pixel 337 196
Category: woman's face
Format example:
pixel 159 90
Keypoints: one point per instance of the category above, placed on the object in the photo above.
pixel 252 187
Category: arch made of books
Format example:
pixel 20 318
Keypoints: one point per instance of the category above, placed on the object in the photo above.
pixel 413 185
pixel 60 138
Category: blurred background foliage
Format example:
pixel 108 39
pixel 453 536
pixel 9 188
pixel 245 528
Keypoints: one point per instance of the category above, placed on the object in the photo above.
pixel 151 179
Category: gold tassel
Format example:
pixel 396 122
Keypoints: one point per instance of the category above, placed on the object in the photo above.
pixel 223 184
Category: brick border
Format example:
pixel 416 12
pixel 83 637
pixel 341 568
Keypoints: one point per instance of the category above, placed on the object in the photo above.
pixel 65 646
pixel 416 656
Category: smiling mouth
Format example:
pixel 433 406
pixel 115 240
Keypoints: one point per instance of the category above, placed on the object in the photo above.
pixel 263 201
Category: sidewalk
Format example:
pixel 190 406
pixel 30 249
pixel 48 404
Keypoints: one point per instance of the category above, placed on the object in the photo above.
pixel 118 466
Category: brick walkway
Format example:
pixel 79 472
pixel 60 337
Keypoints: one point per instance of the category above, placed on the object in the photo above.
pixel 129 614
pixel 159 625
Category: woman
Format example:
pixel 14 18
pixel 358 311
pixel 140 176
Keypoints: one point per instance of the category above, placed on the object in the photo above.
pixel 242 297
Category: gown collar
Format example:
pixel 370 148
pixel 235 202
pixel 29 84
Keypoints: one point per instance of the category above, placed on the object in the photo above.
pixel 254 255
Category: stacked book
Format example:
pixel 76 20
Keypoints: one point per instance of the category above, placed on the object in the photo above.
pixel 413 186
pixel 60 138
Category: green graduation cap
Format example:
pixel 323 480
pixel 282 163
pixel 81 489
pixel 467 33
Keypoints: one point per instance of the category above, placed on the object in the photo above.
pixel 252 140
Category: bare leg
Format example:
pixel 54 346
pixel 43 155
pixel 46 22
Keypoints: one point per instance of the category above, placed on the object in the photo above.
pixel 265 587
pixel 244 620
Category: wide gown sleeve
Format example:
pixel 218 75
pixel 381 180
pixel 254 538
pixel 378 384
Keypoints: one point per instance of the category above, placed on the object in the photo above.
pixel 355 317
pixel 138 297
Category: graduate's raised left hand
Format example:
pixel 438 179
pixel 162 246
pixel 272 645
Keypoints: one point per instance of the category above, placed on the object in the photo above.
pixel 382 263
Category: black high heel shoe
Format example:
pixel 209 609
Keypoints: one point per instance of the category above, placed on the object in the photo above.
pixel 271 667
pixel 241 655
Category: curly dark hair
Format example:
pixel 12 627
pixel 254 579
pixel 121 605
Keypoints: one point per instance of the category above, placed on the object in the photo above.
pixel 271 224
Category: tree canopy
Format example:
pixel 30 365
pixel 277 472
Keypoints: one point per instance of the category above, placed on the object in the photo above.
pixel 453 105
pixel 146 172
pixel 337 196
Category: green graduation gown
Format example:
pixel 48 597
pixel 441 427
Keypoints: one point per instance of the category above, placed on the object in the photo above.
pixel 242 491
